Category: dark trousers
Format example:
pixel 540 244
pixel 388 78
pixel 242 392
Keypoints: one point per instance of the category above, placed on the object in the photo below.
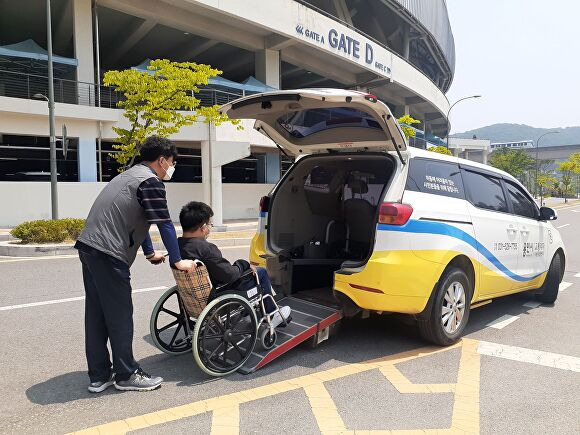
pixel 264 283
pixel 108 315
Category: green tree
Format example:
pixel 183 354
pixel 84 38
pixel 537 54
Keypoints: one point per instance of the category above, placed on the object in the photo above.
pixel 159 102
pixel 441 150
pixel 545 182
pixel 567 168
pixel 406 122
pixel 513 161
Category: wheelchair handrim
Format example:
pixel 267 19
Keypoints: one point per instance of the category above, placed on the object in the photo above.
pixel 213 371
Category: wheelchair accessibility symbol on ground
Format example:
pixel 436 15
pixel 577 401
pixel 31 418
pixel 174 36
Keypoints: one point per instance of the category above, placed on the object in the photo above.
pixel 225 410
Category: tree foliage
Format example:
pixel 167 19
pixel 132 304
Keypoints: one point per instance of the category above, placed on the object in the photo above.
pixel 441 150
pixel 160 102
pixel 513 161
pixel 567 168
pixel 405 122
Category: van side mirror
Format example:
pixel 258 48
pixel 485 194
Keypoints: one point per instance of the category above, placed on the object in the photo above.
pixel 548 214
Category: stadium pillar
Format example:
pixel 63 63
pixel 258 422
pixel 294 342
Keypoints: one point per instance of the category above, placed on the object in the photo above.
pixel 267 66
pixel 83 46
pixel 87 161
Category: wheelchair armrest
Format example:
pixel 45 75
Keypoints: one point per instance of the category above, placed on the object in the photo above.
pixel 243 275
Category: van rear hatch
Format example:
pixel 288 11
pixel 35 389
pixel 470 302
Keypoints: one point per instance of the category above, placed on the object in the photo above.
pixel 308 121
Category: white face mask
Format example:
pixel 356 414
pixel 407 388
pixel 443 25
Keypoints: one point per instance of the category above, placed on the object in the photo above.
pixel 169 173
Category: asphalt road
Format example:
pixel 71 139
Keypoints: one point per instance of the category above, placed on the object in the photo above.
pixel 522 378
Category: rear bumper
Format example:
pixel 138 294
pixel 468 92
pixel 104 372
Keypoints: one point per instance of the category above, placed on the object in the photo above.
pixel 394 281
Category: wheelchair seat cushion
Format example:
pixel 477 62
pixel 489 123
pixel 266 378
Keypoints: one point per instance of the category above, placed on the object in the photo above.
pixel 194 289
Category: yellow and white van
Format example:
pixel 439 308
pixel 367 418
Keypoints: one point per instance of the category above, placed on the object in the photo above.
pixel 363 221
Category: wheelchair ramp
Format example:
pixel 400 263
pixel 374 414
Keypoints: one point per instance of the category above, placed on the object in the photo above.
pixel 308 320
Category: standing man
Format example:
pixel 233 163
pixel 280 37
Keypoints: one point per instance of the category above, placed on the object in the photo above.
pixel 117 225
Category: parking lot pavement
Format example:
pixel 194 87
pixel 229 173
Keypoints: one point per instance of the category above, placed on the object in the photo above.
pixel 516 371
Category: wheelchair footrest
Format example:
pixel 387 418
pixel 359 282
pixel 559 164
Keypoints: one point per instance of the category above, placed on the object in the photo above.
pixel 308 320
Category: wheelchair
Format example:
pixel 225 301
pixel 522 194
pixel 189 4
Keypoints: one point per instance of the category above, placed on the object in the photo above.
pixel 220 325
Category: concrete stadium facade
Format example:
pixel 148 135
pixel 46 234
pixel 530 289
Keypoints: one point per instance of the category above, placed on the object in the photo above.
pixel 400 50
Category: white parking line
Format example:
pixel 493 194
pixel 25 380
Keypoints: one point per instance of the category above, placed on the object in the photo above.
pixel 532 304
pixel 564 285
pixel 577 275
pixel 532 356
pixel 61 301
pixel 575 211
pixel 503 321
pixel 562 226
pixel 48 257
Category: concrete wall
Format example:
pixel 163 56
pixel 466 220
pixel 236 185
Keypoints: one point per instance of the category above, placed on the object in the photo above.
pixel 24 201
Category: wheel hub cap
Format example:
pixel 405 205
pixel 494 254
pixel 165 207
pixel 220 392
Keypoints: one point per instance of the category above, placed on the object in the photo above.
pixel 453 307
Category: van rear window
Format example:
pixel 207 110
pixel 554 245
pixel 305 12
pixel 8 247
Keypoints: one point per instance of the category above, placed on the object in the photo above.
pixel 303 123
pixel 435 177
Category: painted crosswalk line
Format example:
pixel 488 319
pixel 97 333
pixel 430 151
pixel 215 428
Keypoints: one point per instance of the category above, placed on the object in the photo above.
pixel 503 321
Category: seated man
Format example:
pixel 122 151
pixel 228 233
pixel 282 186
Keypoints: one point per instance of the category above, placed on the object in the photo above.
pixel 195 219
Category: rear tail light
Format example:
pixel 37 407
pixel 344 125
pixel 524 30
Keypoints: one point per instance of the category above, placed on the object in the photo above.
pixel 394 213
pixel 264 204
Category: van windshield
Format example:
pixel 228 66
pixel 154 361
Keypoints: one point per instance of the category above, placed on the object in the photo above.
pixel 303 123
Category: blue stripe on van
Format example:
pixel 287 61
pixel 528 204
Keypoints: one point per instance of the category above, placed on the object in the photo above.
pixel 429 227
pixel 263 214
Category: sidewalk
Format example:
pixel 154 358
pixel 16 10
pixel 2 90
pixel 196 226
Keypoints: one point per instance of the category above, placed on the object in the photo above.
pixel 232 233
pixel 558 202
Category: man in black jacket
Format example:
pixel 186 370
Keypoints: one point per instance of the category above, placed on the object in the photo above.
pixel 195 219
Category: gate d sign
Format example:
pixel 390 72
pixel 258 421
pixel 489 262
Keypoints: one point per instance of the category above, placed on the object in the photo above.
pixel 349 46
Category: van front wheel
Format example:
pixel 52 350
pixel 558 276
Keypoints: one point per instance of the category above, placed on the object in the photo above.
pixel 450 311
pixel 549 290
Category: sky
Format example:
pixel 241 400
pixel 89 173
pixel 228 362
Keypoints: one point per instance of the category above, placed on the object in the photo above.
pixel 522 56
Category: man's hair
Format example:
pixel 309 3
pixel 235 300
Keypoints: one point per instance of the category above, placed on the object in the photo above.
pixel 154 147
pixel 194 214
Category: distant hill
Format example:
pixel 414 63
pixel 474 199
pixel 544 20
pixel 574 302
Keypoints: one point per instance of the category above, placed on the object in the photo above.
pixel 518 132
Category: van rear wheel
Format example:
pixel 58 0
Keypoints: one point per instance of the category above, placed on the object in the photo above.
pixel 450 310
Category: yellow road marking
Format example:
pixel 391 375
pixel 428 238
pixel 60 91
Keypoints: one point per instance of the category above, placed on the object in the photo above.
pixel 226 421
pixel 465 418
pixel 226 408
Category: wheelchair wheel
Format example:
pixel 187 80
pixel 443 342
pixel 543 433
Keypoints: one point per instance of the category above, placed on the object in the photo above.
pixel 268 340
pixel 224 335
pixel 167 324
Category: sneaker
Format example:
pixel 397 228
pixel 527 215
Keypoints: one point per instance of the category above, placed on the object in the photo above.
pixel 139 381
pixel 97 387
pixel 277 318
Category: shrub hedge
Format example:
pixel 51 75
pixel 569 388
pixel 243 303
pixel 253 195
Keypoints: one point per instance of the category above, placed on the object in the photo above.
pixel 48 231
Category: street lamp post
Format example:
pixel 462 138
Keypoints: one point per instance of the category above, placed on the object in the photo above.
pixel 50 100
pixel 449 111
pixel 537 160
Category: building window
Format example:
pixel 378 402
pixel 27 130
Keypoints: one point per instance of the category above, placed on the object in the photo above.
pixel 27 158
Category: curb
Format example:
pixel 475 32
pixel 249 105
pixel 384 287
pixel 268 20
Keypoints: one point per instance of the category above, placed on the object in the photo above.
pixel 8 249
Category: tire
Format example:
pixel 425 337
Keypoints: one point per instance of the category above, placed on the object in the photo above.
pixel 452 301
pixel 161 340
pixel 236 308
pixel 549 290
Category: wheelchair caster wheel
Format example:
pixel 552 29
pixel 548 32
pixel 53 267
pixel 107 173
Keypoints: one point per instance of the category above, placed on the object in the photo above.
pixel 268 340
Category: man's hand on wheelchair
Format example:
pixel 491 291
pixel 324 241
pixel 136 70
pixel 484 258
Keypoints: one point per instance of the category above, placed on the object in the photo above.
pixel 185 265
pixel 156 258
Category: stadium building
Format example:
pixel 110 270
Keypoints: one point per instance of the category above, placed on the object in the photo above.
pixel 402 51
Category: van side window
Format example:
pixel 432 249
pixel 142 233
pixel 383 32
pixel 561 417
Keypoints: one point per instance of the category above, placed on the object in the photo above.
pixel 484 191
pixel 435 177
pixel 522 205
